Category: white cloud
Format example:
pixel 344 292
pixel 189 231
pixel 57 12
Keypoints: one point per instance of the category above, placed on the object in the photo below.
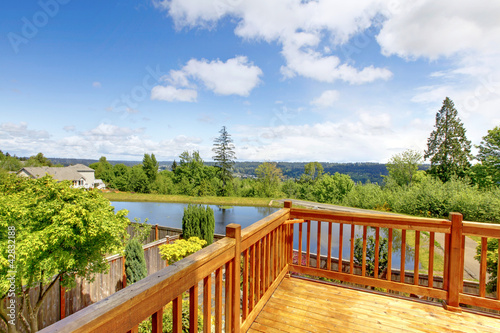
pixel 171 94
pixel 327 99
pixel 96 84
pixel 299 26
pixel 368 137
pixel 236 76
pixel 21 131
pixel 432 29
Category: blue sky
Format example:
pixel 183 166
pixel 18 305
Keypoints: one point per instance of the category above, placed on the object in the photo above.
pixel 291 80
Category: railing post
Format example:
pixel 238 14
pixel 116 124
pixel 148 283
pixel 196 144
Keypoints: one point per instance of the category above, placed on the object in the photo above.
pixel 156 232
pixel 234 231
pixel 455 266
pixel 288 204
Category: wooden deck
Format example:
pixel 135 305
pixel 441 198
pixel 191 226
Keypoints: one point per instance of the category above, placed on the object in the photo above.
pixel 303 306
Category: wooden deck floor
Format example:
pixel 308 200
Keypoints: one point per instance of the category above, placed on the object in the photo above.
pixel 304 306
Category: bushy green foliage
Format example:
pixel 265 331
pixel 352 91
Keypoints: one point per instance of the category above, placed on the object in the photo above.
pixel 367 196
pixel 180 249
pixel 135 263
pixel 198 221
pixel 332 189
pixel 60 231
pixel 269 178
pixel 168 320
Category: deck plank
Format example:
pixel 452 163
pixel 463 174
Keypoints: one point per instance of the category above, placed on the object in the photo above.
pixel 305 306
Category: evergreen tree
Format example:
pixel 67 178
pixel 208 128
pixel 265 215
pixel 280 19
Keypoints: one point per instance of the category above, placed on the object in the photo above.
pixel 135 263
pixel 224 157
pixel 198 221
pixel 150 167
pixel 489 154
pixel 448 147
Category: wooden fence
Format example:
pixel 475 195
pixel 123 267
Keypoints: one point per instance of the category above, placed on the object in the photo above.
pixel 261 255
pixel 61 303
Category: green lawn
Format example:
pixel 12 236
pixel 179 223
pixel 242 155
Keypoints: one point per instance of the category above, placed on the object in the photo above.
pixel 226 201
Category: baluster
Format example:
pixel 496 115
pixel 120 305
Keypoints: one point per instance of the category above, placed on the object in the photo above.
pixel 329 250
pixel 252 277
pixel 430 272
pixel 308 240
pixel 157 321
pixel 403 256
pixel 352 250
pixel 482 269
pixel 177 314
pixel 318 247
pixel 341 242
pixel 377 252
pixel 363 267
pixel 300 246
pixel 245 284
pixel 416 260
pixel 193 309
pixel 389 256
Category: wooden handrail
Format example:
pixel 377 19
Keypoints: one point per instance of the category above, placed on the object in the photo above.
pixel 374 220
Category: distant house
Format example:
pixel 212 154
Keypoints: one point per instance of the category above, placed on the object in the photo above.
pixel 80 175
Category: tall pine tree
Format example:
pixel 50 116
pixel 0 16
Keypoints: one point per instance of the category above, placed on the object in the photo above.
pixel 224 157
pixel 448 148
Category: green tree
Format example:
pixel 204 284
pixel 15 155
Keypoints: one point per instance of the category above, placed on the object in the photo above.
pixel 150 167
pixel 489 154
pixel 269 177
pixel 103 170
pixel 224 158
pixel 135 263
pixel 37 161
pixel 402 167
pixel 447 147
pixel 121 177
pixel 10 163
pixel 137 180
pixel 60 233
pixel 313 171
pixel 332 189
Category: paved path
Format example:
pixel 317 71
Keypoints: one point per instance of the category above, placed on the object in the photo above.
pixel 471 265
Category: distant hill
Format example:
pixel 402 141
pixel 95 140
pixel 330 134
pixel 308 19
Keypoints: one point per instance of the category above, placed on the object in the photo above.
pixel 359 172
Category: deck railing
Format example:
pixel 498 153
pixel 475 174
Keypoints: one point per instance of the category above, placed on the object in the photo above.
pixel 234 277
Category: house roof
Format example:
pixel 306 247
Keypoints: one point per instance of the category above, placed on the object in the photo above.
pixel 67 173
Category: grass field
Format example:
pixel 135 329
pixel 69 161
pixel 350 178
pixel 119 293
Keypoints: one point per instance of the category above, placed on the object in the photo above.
pixel 226 201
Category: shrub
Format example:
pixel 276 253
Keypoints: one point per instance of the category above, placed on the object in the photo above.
pixel 198 221
pixel 135 264
pixel 181 248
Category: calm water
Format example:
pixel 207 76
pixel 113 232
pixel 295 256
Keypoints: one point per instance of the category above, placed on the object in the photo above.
pixel 170 215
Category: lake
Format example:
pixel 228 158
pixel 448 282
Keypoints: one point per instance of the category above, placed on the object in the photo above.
pixel 170 215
